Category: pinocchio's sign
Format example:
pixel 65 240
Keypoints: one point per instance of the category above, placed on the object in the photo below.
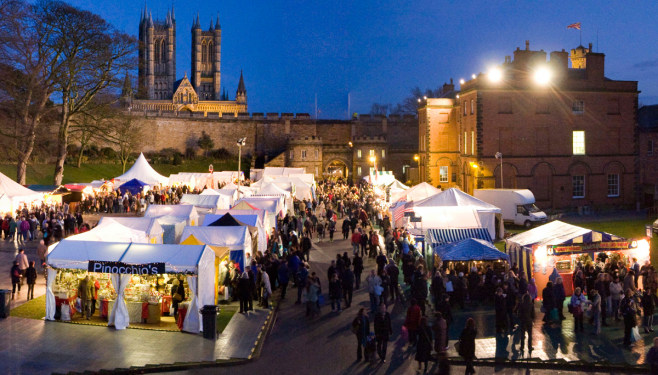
pixel 593 246
pixel 124 268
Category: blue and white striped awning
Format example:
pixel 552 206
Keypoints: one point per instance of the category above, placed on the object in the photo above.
pixel 438 237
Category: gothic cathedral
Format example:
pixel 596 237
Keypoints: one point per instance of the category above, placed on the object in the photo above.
pixel 158 89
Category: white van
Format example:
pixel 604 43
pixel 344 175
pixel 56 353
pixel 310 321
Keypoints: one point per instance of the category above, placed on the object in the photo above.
pixel 517 205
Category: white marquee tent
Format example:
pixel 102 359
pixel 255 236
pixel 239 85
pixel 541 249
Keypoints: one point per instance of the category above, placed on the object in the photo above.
pixel 142 171
pixel 184 211
pixel 208 202
pixel 16 193
pixel 236 239
pixel 197 261
pixel 110 230
pixel 173 227
pixel 149 225
pixel 416 193
pixel 277 171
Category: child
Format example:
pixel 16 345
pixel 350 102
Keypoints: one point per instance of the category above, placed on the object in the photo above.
pixel 320 229
pixel 371 348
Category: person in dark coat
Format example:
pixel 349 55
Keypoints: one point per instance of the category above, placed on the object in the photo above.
pixel 446 311
pixel 394 273
pixel 383 330
pixel 381 262
pixel 177 288
pixel 284 278
pixel 424 344
pixel 548 296
pixel 31 278
pixel 361 327
pixel 560 296
pixel 419 288
pixel 357 262
pixel 15 273
pixel 510 304
pixel 500 307
pixel 526 312
pixel 348 286
pixel 244 288
pixel 467 345
pixel 346 229
pixel 335 292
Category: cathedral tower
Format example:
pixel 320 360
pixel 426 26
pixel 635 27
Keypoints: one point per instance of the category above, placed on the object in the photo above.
pixel 157 56
pixel 206 58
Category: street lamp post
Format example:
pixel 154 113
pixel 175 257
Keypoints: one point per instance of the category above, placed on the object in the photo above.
pixel 417 159
pixel 499 155
pixel 241 142
pixel 374 164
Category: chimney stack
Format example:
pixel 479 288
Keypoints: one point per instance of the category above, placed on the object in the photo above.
pixel 527 45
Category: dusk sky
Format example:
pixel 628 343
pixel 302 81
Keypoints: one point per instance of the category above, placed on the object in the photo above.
pixel 378 50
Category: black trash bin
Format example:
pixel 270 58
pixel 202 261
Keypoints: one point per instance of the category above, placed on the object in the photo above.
pixel 5 300
pixel 209 313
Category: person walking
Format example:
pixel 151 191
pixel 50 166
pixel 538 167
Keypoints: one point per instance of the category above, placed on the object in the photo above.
pixel 266 290
pixel 440 330
pixel 23 263
pixel 578 303
pixel 548 297
pixel 374 283
pixel 383 330
pixel 412 321
pixel 31 277
pixel 357 262
pixel 42 250
pixel 560 297
pixel 393 272
pixel 616 294
pixel 424 345
pixel 361 328
pixel 312 293
pixel 596 310
pixel 348 286
pixel 526 312
pixel 446 311
pixel 302 278
pixel 627 308
pixel 652 357
pixel 284 278
pixel 85 293
pixel 244 289
pixel 335 292
pixel 467 345
pixel 15 273
pixel 500 307
pixel 648 307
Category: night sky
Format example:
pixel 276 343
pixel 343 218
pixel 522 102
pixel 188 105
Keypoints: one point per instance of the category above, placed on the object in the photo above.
pixel 377 50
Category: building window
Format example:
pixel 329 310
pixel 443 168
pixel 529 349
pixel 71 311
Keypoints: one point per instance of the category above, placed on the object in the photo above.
pixel 358 171
pixel 579 142
pixel 472 107
pixel 578 107
pixel 443 174
pixel 358 153
pixel 650 147
pixel 383 154
pixel 292 154
pixel 454 177
pixel 303 154
pixel 578 184
pixel 613 185
pixel 372 152
pixel 316 154
pixel 316 171
pixel 465 143
pixel 465 107
pixel 472 142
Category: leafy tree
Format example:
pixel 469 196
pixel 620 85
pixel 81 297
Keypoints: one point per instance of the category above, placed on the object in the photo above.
pixel 205 142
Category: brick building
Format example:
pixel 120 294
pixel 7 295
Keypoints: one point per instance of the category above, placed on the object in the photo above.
pixel 567 134
pixel 648 124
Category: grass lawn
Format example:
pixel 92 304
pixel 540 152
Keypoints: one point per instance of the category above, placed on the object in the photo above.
pixel 224 317
pixel 42 174
pixel 33 309
pixel 627 228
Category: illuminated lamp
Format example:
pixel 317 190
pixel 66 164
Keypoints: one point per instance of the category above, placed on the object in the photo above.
pixel 643 250
pixel 495 75
pixel 541 253
pixel 473 76
pixel 418 100
pixel 461 81
pixel 542 76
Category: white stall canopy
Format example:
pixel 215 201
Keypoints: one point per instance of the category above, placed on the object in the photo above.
pixel 236 239
pixel 203 201
pixel 142 171
pixel 110 230
pixel 185 211
pixel 149 225
pixel 277 171
pixel 16 193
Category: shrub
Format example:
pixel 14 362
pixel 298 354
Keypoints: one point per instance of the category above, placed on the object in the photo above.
pixel 221 154
pixel 178 159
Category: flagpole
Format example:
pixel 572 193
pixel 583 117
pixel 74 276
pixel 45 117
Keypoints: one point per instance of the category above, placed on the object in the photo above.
pixel 581 36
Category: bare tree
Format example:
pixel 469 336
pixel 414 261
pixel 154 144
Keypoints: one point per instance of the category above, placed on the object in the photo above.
pixel 29 63
pixel 127 134
pixel 92 124
pixel 410 104
pixel 94 55
pixel 380 109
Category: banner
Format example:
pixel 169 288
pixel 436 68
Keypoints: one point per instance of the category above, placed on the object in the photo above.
pixel 124 268
pixel 594 246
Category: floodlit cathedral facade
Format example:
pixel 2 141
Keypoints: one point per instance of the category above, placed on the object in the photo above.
pixel 158 89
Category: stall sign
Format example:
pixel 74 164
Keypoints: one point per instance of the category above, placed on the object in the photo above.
pixel 595 246
pixel 565 249
pixel 124 268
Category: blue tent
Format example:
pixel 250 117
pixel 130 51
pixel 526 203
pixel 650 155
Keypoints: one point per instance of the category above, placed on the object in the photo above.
pixel 134 186
pixel 470 249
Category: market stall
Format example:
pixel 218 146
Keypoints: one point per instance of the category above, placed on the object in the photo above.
pixel 142 171
pixel 560 246
pixel 237 239
pixel 133 281
pixel 135 187
pixel 203 203
pixel 17 194
pixel 469 252
pixel 148 225
pixel 109 230
pixel 183 211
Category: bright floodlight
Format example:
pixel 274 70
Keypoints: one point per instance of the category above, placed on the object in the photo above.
pixel 542 76
pixel 425 97
pixel 473 76
pixel 461 81
pixel 418 100
pixel 495 75
pixel 372 159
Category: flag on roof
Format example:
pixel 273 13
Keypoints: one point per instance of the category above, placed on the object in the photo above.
pixel 574 26
pixel 399 213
